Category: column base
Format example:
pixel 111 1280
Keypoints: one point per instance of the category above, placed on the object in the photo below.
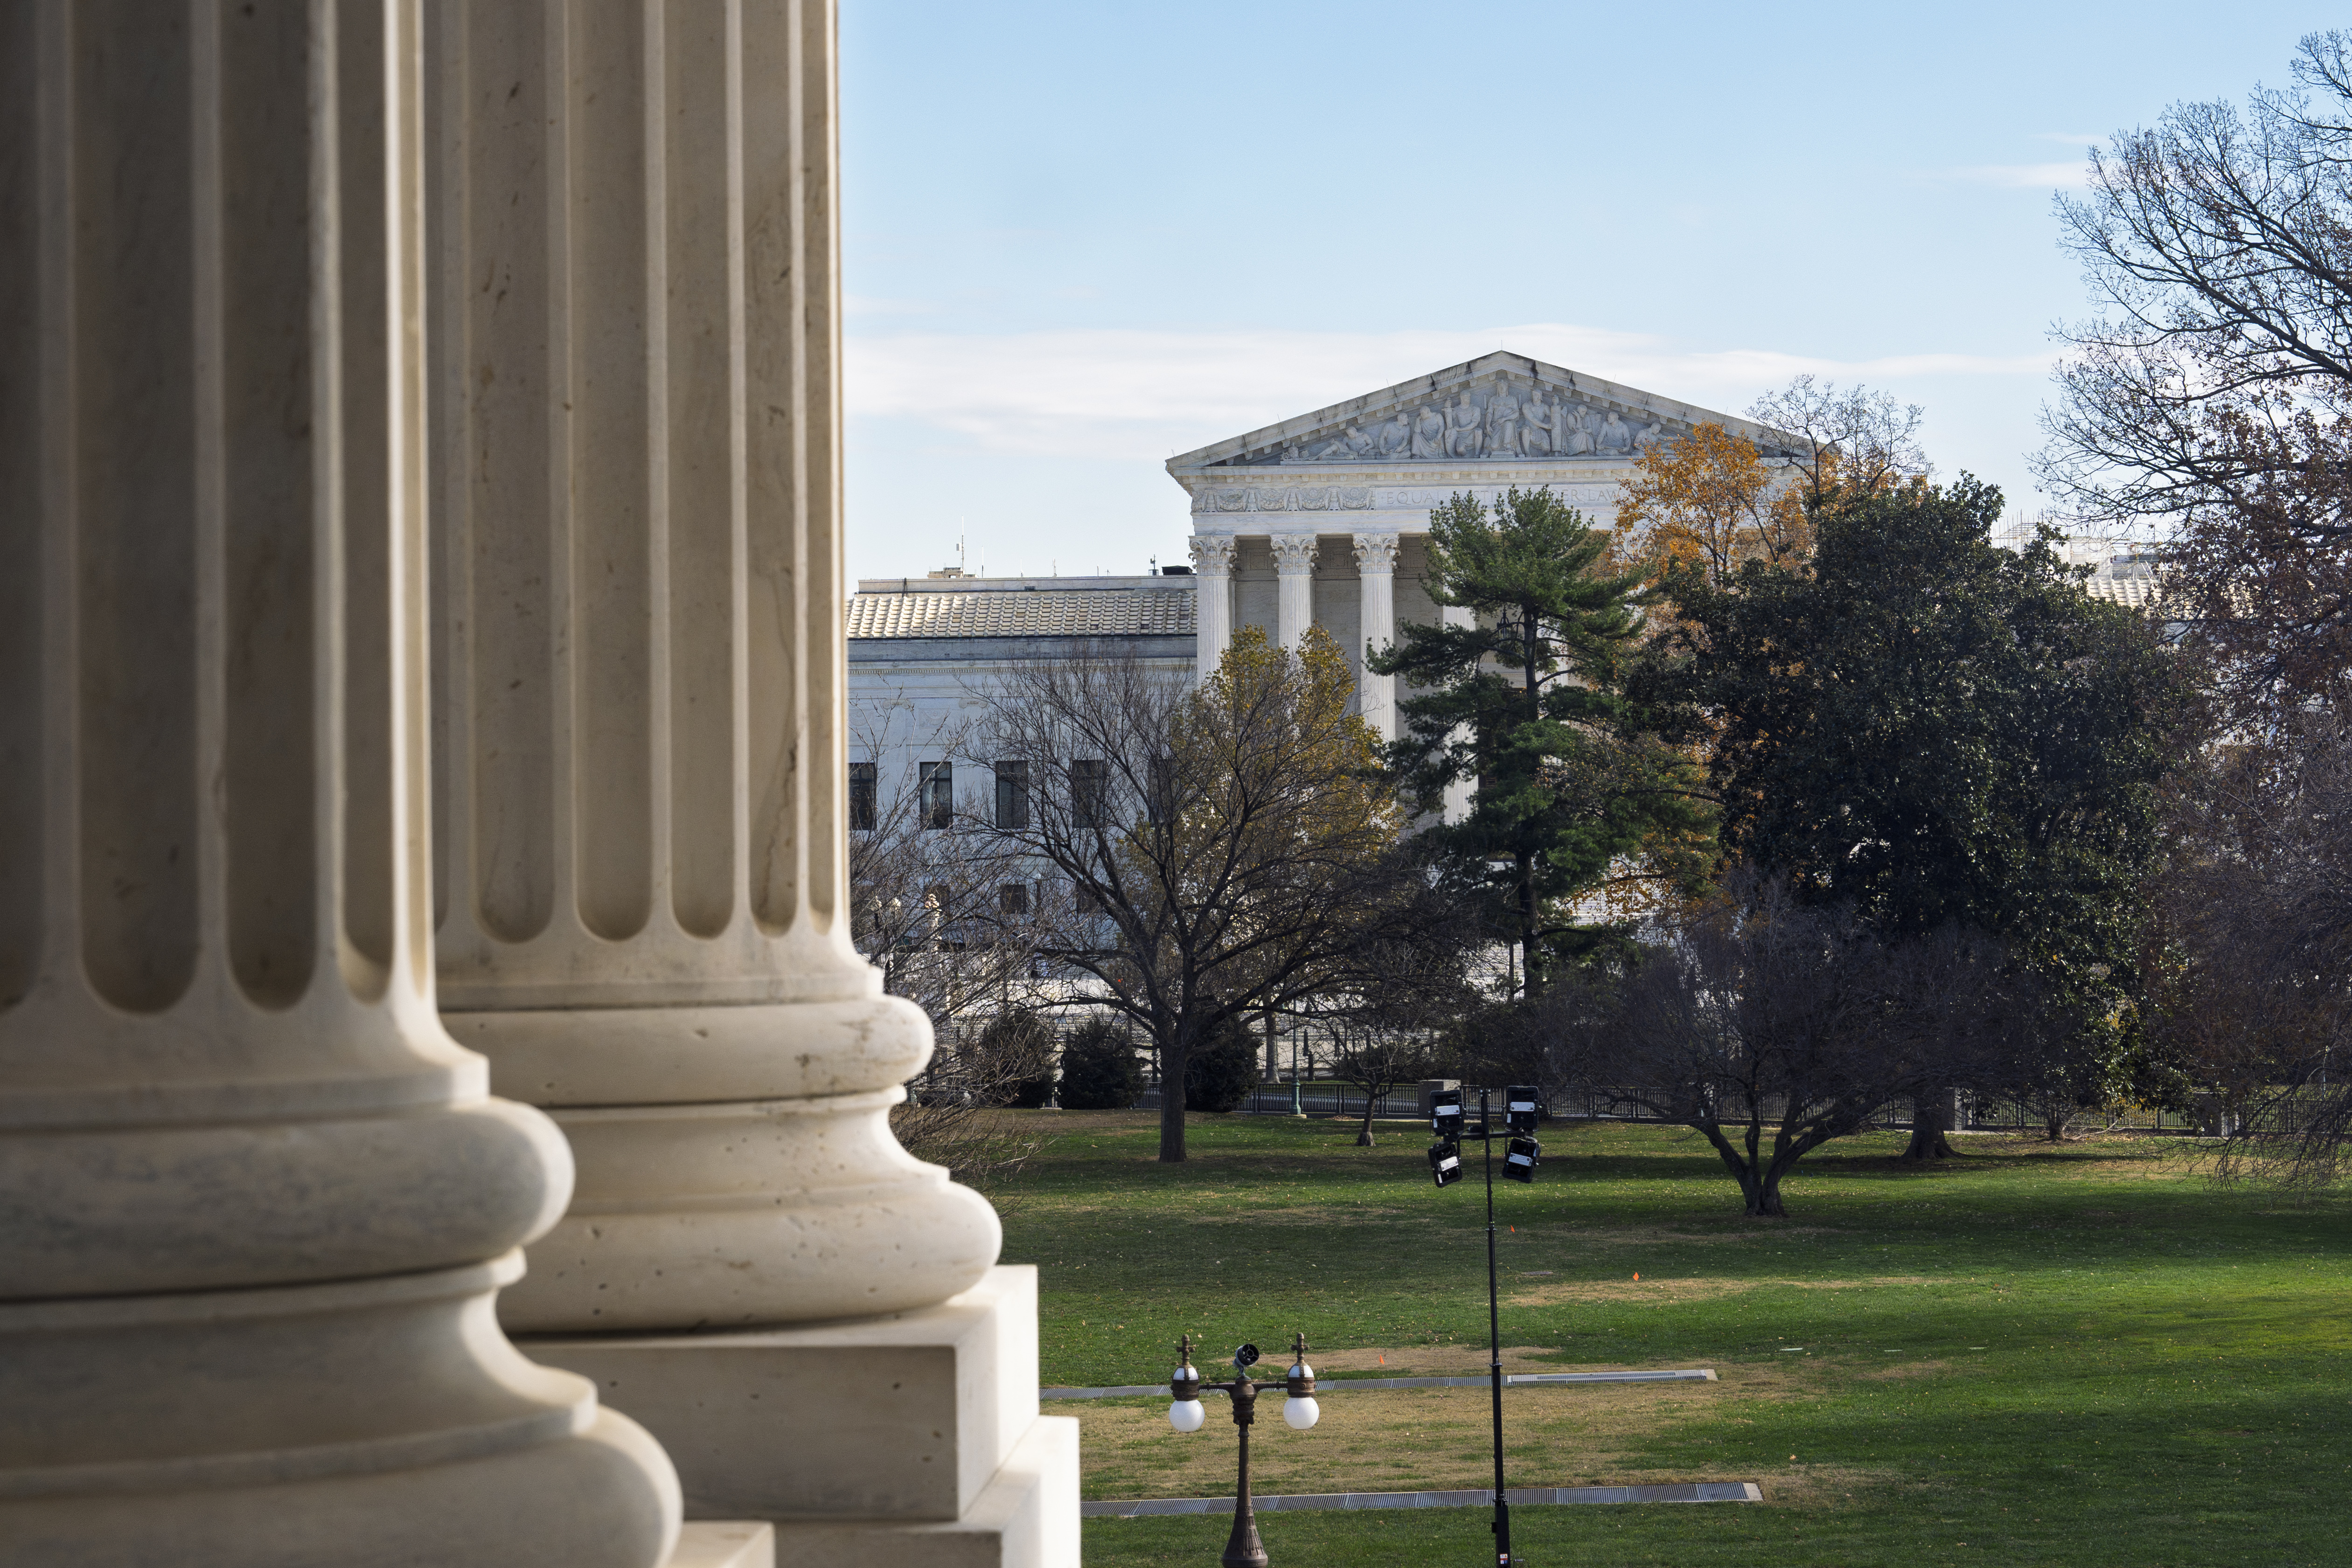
pixel 735 1215
pixel 907 1417
pixel 916 1433
pixel 382 1420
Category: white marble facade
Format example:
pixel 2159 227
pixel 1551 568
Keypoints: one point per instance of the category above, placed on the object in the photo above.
pixel 1324 517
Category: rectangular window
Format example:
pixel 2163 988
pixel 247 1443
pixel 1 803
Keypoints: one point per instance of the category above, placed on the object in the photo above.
pixel 1162 804
pixel 1090 794
pixel 1011 795
pixel 939 794
pixel 1012 898
pixel 862 797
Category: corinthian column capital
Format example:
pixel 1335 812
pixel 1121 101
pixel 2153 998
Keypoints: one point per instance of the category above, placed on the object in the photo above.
pixel 1293 554
pixel 1212 554
pixel 1376 554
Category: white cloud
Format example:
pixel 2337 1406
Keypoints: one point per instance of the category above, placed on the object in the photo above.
pixel 873 304
pixel 2071 176
pixel 1129 395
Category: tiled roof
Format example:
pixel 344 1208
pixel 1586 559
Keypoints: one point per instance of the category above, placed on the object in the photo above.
pixel 2139 592
pixel 1025 612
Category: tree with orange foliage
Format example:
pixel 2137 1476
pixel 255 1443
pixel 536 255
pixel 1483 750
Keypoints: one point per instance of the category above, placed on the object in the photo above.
pixel 1714 499
pixel 1709 502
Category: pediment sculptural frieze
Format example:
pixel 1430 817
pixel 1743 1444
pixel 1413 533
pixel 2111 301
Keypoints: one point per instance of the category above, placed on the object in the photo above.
pixel 1284 498
pixel 1508 419
pixel 1381 498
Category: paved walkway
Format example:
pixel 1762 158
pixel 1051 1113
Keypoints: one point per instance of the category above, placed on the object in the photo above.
pixel 1335 1384
pixel 1518 1497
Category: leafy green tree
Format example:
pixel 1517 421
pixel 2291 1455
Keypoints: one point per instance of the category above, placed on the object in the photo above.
pixel 1935 731
pixel 1099 1072
pixel 1575 798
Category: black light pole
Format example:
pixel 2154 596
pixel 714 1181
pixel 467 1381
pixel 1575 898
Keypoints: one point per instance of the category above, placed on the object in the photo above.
pixel 1522 1110
pixel 1243 1547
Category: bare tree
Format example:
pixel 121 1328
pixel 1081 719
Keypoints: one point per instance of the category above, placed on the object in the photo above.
pixel 1213 852
pixel 2212 399
pixel 1771 1028
pixel 1378 1059
pixel 932 910
pixel 2255 978
pixel 1854 440
pixel 1400 998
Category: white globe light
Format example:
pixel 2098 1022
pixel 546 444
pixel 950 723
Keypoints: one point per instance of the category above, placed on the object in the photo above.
pixel 1186 1415
pixel 1301 1412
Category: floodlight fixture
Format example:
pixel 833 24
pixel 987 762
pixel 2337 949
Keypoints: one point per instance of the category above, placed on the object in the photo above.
pixel 1520 1164
pixel 1522 1112
pixel 1446 1113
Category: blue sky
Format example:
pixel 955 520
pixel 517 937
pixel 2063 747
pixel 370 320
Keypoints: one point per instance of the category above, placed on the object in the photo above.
pixel 1081 238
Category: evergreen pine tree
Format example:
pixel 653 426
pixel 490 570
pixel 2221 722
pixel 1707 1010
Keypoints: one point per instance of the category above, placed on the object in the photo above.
pixel 1220 1069
pixel 1573 795
pixel 1099 1070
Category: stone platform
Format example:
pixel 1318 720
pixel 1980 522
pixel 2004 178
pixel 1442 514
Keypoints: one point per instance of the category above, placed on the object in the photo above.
pixel 916 1434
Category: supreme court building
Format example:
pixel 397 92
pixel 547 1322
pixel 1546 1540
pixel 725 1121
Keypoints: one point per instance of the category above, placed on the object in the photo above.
pixel 1320 519
pixel 1324 517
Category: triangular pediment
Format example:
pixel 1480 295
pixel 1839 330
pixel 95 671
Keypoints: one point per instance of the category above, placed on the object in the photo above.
pixel 1498 408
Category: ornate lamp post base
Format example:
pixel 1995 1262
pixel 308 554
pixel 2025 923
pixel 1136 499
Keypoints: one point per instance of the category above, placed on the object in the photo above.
pixel 1243 1547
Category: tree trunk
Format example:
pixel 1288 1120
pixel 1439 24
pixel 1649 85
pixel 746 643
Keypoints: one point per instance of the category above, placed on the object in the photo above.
pixel 1760 1182
pixel 1930 1120
pixel 1171 1103
pixel 1364 1133
pixel 1526 868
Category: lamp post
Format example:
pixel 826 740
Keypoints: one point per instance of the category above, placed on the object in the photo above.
pixel 1522 1110
pixel 1243 1547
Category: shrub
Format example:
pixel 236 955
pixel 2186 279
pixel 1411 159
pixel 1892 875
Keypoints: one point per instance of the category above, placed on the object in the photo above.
pixel 1218 1076
pixel 1099 1072
pixel 1016 1059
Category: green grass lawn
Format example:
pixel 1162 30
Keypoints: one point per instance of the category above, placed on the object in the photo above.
pixel 2082 1355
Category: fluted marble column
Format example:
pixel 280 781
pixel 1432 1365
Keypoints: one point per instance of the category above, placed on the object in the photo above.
pixel 647 921
pixel 254 1205
pixel 1459 794
pixel 1294 568
pixel 1213 571
pixel 1376 570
